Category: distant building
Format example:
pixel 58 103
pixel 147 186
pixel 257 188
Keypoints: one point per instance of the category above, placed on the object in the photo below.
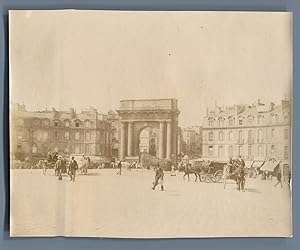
pixel 148 141
pixel 113 118
pixel 192 140
pixel 255 132
pixel 66 132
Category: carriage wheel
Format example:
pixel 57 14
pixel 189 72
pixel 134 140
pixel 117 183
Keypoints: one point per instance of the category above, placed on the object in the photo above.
pixel 208 178
pixel 202 177
pixel 218 176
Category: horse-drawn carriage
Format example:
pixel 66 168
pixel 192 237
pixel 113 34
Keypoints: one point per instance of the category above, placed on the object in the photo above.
pixel 204 170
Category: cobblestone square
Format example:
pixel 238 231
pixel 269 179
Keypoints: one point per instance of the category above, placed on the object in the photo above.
pixel 104 204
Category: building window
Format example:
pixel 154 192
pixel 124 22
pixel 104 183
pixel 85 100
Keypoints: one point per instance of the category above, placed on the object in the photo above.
pixel 240 122
pixel 77 124
pixel 231 121
pixel 87 149
pixel 210 122
pixel 260 138
pixel 286 134
pixel 221 122
pixel 249 135
pixel 77 135
pixel 240 150
pixel 230 151
pixel 77 149
pixel 220 153
pixel 210 136
pixel 67 135
pixel 210 150
pixel 221 136
pixel 87 124
pixel 87 136
pixel 230 136
pixel 67 123
pixel 250 119
pixel 273 118
pixel 272 149
pixel 55 123
pixel 56 135
pixel 34 148
pixel 260 150
pixel 45 135
pixel 260 119
pixel 240 135
pixel 249 151
pixel 286 153
pixel 273 133
pixel 286 118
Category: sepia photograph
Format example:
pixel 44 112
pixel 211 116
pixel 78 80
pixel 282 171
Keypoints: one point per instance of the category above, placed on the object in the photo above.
pixel 150 124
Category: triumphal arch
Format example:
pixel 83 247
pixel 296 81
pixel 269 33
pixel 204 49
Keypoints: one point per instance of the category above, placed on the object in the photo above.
pixel 135 115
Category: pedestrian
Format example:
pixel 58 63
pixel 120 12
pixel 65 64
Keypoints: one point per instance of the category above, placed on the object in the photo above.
pixel 278 178
pixel 59 166
pixel 44 167
pixel 173 170
pixel 120 168
pixel 73 166
pixel 159 178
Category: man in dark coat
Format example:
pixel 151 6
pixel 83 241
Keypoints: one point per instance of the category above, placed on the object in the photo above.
pixel 159 178
pixel 120 168
pixel 278 178
pixel 73 166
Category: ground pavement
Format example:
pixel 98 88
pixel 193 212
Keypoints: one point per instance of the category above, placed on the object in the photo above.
pixel 104 204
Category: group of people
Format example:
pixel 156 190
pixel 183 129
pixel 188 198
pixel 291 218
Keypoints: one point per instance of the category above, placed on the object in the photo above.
pixel 61 166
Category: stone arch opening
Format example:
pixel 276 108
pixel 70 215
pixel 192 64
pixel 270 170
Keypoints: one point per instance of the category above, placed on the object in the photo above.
pixel 148 141
pixel 159 114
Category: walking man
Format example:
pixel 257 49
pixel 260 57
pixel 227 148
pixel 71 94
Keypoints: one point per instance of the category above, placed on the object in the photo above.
pixel 159 178
pixel 59 166
pixel 73 166
pixel 278 178
pixel 120 168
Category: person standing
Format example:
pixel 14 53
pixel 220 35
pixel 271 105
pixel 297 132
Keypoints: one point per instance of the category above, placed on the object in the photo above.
pixel 173 170
pixel 120 168
pixel 73 166
pixel 59 166
pixel 278 178
pixel 159 178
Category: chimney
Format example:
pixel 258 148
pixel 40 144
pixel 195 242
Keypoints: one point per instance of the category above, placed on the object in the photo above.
pixel 272 106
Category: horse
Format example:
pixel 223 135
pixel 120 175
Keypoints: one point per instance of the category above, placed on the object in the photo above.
pixel 238 172
pixel 189 170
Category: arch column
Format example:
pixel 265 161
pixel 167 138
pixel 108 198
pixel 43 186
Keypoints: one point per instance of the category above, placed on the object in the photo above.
pixel 130 139
pixel 123 141
pixel 161 140
pixel 169 140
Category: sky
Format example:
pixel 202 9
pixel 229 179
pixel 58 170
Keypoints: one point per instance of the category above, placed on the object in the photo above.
pixel 78 59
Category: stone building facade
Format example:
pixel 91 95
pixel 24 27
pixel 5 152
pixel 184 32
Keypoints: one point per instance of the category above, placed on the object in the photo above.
pixel 66 132
pixel 256 132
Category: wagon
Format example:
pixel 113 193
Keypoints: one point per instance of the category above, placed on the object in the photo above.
pixel 208 171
